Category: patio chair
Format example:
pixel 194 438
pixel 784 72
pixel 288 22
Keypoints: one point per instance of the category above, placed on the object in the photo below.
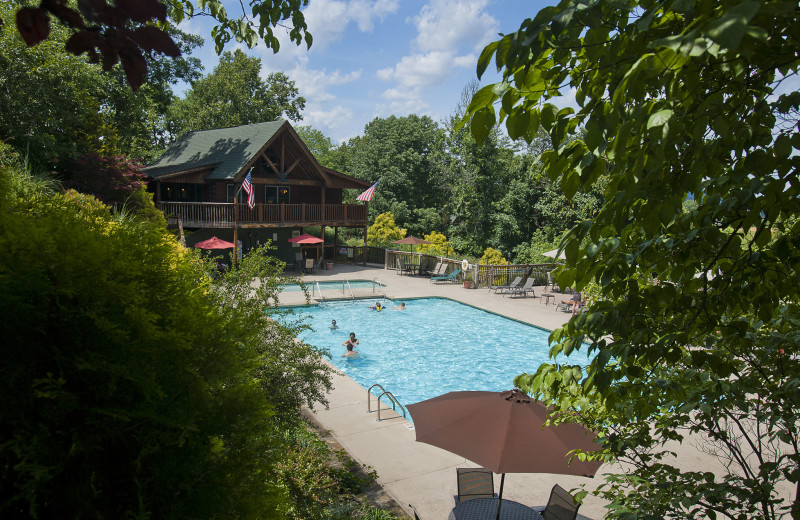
pixel 309 267
pixel 474 483
pixel 504 288
pixel 319 263
pixel 560 506
pixel 452 277
pixel 298 261
pixel 524 290
pixel 403 266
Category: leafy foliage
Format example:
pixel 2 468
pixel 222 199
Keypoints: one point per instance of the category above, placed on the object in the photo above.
pixel 234 94
pixel 439 245
pixel 694 327
pixel 133 385
pixel 384 231
pixel 493 257
pixel 55 107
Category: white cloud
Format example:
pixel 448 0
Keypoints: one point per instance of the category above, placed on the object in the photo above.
pixel 448 25
pixel 449 32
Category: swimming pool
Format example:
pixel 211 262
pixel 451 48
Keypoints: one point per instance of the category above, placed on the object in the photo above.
pixel 433 347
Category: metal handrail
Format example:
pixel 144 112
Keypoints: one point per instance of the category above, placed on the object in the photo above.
pixel 319 289
pixel 395 402
pixel 369 394
pixel 352 296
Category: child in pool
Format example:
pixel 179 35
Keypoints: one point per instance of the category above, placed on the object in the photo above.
pixel 377 307
pixel 334 325
pixel 351 344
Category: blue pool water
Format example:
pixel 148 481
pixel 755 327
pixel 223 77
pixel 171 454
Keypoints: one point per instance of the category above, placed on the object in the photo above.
pixel 433 347
pixel 333 285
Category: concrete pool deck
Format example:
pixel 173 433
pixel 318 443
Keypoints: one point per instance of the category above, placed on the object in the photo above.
pixel 420 474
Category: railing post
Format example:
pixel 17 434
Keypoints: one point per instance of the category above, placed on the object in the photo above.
pixel 303 212
pixel 345 212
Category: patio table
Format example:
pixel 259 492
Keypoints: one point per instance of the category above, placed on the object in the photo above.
pixel 486 509
pixel 546 297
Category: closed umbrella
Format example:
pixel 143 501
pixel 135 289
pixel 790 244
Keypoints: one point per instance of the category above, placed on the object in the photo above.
pixel 503 432
pixel 214 243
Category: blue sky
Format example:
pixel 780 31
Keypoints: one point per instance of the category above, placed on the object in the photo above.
pixel 376 58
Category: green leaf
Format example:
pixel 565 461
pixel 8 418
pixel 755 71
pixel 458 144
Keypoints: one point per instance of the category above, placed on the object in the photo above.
pixel 732 25
pixel 486 57
pixel 659 118
pixel 481 124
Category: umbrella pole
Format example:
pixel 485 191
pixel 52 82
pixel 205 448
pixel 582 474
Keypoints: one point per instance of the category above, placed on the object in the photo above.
pixel 500 496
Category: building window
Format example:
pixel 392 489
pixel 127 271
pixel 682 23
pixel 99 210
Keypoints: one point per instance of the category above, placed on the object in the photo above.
pixel 277 194
pixel 231 192
pixel 182 192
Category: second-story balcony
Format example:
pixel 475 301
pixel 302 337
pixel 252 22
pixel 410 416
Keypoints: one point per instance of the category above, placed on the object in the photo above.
pixel 221 215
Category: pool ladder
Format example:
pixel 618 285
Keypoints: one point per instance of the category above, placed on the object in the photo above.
pixel 319 290
pixel 377 282
pixel 389 395
pixel 352 296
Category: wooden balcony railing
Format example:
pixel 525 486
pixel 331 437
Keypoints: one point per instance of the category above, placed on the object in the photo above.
pixel 220 215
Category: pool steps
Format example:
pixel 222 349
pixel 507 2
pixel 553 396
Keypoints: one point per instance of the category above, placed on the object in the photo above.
pixel 389 395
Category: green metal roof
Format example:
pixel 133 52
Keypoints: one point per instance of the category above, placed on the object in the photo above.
pixel 226 150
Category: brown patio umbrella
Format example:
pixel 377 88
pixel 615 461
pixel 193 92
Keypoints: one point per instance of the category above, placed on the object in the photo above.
pixel 411 240
pixel 503 432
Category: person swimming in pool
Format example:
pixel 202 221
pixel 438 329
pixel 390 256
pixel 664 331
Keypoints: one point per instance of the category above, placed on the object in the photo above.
pixel 400 307
pixel 377 307
pixel 351 346
pixel 334 326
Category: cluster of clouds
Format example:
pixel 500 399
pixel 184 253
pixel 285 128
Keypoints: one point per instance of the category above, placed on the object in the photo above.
pixel 444 36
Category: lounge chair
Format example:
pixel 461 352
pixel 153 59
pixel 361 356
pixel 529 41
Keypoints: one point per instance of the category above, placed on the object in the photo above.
pixel 452 277
pixel 560 506
pixel 504 288
pixel 474 483
pixel 524 290
pixel 439 269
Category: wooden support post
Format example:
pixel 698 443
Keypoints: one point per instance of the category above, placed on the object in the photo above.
pixel 335 242
pixel 235 229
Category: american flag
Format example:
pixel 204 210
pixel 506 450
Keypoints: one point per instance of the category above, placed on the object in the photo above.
pixel 367 195
pixel 247 186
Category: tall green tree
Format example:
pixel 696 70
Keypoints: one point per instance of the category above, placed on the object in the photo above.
pixel 319 144
pixel 475 176
pixel 400 152
pixel 234 94
pixel 694 328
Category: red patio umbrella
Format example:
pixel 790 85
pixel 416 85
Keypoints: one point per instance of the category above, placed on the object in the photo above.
pixel 306 239
pixel 503 432
pixel 214 243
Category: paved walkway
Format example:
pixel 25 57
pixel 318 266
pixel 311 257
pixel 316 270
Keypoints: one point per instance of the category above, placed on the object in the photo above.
pixel 417 473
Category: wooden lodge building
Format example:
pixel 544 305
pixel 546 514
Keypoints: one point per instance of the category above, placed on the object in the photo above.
pixel 197 179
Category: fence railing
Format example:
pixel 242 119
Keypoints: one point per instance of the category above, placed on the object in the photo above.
pixel 220 215
pixel 487 275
